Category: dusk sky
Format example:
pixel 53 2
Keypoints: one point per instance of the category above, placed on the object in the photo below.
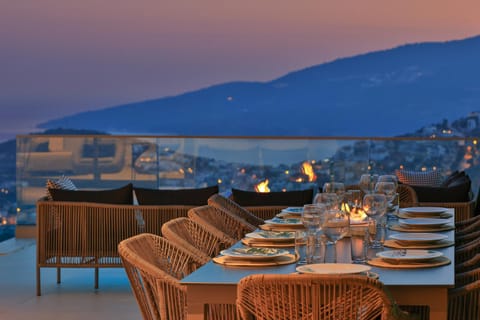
pixel 61 57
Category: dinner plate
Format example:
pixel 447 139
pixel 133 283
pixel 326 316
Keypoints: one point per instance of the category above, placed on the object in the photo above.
pixel 409 255
pixel 284 222
pixel 272 235
pixel 418 237
pixel 254 253
pixel 423 222
pixel 333 268
pixel 424 211
pixel 293 210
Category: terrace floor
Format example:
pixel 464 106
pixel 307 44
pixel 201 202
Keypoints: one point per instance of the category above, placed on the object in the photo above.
pixel 75 298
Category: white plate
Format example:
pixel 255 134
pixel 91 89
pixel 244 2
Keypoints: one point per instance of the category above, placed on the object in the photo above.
pixel 425 211
pixel 418 237
pixel 409 255
pixel 272 235
pixel 284 222
pixel 293 210
pixel 254 253
pixel 423 222
pixel 333 268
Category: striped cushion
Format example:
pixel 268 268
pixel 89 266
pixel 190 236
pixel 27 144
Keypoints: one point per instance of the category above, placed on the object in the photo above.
pixel 63 183
pixel 420 178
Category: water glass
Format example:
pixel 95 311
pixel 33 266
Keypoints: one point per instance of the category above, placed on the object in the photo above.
pixel 315 247
pixel 367 182
pixel 312 216
pixel 359 237
pixel 301 238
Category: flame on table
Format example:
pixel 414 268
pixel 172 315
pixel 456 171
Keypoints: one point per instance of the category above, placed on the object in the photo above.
pixel 307 170
pixel 356 214
pixel 262 186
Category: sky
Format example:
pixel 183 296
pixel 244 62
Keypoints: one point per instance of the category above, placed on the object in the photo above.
pixel 62 57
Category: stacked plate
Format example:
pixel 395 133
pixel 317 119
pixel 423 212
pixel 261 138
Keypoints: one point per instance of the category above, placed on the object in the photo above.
pixel 246 253
pixel 424 212
pixel 409 258
pixel 264 238
pixel 337 268
pixel 418 239
pixel 424 223
pixel 278 224
pixel 291 212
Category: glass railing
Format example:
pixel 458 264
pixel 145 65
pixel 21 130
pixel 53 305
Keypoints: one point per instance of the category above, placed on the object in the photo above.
pixel 103 162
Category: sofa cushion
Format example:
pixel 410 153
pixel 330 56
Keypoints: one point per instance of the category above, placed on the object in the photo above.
pixel 63 183
pixel 459 191
pixel 123 195
pixel 287 198
pixel 420 178
pixel 188 197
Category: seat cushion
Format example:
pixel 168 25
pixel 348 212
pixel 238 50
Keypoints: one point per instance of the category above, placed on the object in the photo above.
pixel 188 197
pixel 287 198
pixel 63 183
pixel 123 195
pixel 420 178
pixel 458 190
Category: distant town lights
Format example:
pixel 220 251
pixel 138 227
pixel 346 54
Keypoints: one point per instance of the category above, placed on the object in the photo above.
pixel 219 181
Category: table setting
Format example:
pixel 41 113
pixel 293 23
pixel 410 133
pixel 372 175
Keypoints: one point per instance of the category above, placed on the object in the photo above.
pixel 254 257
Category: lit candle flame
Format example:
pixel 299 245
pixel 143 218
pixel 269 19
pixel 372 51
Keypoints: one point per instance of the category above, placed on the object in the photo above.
pixel 262 186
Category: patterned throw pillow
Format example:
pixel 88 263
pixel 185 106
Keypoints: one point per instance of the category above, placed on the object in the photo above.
pixel 420 178
pixel 63 183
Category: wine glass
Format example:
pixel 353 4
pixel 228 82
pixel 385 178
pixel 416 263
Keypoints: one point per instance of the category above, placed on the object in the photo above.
pixel 329 200
pixel 367 182
pixel 335 187
pixel 354 198
pixel 375 206
pixel 312 216
pixel 388 178
pixel 387 188
pixel 336 225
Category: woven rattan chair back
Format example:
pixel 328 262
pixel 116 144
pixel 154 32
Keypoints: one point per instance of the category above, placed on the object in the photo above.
pixel 269 296
pixel 470 264
pixel 211 217
pixel 407 195
pixel 202 242
pixel 467 251
pixel 463 302
pixel 221 202
pixel 154 267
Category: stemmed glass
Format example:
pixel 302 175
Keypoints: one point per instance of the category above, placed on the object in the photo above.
pixel 388 178
pixel 367 182
pixel 335 227
pixel 389 189
pixel 375 206
pixel 335 187
pixel 329 200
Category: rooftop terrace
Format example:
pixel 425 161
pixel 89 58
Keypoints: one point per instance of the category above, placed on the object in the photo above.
pixel 75 298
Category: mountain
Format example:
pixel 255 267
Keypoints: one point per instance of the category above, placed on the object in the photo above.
pixel 382 93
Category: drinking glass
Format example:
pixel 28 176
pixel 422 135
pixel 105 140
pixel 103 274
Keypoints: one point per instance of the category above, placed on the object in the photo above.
pixel 329 200
pixel 387 188
pixel 335 187
pixel 336 225
pixel 354 198
pixel 388 178
pixel 312 216
pixel 375 206
pixel 367 182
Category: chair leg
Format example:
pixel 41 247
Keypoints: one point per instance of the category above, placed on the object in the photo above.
pixel 59 275
pixel 39 288
pixel 96 278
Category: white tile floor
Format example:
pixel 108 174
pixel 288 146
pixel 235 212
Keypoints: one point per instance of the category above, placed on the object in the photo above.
pixel 75 298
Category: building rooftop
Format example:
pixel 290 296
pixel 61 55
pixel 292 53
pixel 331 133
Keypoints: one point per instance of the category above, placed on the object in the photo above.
pixel 75 298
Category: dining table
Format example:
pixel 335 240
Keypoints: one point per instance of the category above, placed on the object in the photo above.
pixel 215 283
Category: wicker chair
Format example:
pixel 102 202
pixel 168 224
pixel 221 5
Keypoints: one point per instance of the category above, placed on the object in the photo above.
pixel 467 277
pixel 221 202
pixel 195 238
pixel 463 210
pixel 462 238
pixel 221 220
pixel 408 196
pixel 269 296
pixel 467 251
pixel 154 267
pixel 463 302
pixel 467 226
pixel 470 264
